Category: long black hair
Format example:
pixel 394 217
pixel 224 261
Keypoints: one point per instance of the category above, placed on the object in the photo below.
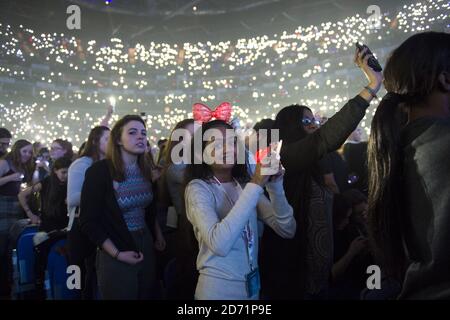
pixel 198 169
pixel 410 76
pixel 92 147
pixel 57 190
pixel 289 122
pixel 298 188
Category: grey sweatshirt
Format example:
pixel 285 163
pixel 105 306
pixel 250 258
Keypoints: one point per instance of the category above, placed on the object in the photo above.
pixel 426 221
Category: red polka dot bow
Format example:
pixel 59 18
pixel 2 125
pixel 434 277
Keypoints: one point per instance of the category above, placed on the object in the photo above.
pixel 203 113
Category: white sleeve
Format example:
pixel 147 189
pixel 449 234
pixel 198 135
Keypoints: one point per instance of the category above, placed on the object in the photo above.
pixel 277 212
pixel 219 235
pixel 75 182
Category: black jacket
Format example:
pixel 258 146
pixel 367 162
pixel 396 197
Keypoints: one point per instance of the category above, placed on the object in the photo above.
pixel 282 260
pixel 100 214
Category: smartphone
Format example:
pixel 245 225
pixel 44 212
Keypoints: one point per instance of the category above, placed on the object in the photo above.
pixel 278 150
pixel 262 153
pixel 372 62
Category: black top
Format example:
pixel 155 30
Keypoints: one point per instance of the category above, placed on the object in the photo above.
pixel 100 215
pixel 11 188
pixel 282 269
pixel 333 163
pixel 350 284
pixel 53 207
pixel 356 156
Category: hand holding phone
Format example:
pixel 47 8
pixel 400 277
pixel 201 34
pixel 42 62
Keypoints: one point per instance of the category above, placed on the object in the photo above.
pixel 372 62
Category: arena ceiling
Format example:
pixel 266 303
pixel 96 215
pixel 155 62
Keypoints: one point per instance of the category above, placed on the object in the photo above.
pixel 181 20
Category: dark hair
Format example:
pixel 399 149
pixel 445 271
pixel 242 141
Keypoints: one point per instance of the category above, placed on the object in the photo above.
pixel 410 76
pixel 114 153
pixel 198 169
pixel 289 122
pixel 92 147
pixel 161 141
pixel 81 149
pixel 341 206
pixel 166 154
pixel 4 133
pixel 66 145
pixel 354 196
pixel 16 159
pixel 57 191
pixel 61 163
pixel 264 124
pixel 36 144
pixel 42 151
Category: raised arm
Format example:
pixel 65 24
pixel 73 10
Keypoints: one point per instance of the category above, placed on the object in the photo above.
pixel 107 118
pixel 301 154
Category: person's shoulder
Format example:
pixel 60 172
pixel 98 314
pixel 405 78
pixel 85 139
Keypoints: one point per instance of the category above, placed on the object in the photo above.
pixel 436 131
pixel 99 167
pixel 443 124
pixel 82 162
pixel 198 185
pixel 195 182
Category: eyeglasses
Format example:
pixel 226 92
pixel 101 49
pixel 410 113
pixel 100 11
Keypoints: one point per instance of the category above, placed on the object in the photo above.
pixel 308 121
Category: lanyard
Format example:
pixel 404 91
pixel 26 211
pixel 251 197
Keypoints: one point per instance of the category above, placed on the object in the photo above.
pixel 247 233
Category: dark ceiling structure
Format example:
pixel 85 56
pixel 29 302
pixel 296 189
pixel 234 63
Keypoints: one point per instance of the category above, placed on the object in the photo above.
pixel 181 20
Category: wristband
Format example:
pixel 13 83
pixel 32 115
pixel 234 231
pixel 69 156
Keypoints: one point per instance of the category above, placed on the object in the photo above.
pixel 371 91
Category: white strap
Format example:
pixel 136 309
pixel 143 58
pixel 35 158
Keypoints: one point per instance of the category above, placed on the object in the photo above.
pixel 72 214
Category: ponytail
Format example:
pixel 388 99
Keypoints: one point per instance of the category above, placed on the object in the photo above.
pixel 385 184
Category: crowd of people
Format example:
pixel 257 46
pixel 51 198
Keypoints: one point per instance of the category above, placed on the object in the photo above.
pixel 54 85
pixel 141 224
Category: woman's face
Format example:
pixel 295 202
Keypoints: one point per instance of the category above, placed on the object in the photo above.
pixel 223 150
pixel 309 117
pixel 103 142
pixel 26 153
pixel 133 138
pixel 62 174
pixel 45 156
pixel 56 151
